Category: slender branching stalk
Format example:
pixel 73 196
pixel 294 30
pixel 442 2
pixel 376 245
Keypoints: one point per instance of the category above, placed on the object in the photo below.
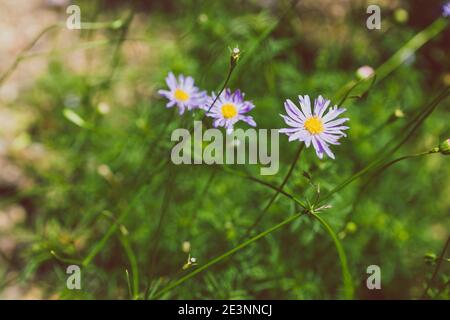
pixel 346 182
pixel 403 136
pixel 226 255
pixel 346 276
pixel 378 172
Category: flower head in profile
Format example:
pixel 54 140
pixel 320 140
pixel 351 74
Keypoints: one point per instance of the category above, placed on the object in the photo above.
pixel 182 93
pixel 229 109
pixel 316 127
pixel 446 9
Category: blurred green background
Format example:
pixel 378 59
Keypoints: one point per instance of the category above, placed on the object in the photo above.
pixel 82 144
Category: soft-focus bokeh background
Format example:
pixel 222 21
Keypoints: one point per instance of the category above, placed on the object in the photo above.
pixel 81 146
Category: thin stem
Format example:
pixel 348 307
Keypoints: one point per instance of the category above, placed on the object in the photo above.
pixel 414 123
pixel 19 58
pixel 267 184
pixel 85 25
pixel 399 57
pixel 151 149
pixel 133 264
pixel 112 229
pixel 363 188
pixel 346 276
pixel 164 209
pixel 436 270
pixel 252 49
pixel 203 194
pixel 274 197
pixel 227 79
pixel 227 254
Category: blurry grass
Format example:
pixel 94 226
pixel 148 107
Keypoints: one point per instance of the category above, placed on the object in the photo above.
pixel 118 163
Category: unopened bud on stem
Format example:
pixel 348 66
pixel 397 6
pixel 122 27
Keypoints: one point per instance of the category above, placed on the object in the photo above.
pixel 235 55
pixel 444 147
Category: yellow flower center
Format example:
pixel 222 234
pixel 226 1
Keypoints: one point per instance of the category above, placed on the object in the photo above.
pixel 229 110
pixel 314 125
pixel 181 95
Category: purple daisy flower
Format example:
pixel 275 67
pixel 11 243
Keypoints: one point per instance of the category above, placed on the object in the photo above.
pixel 446 9
pixel 229 109
pixel 183 93
pixel 315 127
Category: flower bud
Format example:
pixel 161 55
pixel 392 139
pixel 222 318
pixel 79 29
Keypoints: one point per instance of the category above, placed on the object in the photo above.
pixel 364 72
pixel 444 147
pixel 235 55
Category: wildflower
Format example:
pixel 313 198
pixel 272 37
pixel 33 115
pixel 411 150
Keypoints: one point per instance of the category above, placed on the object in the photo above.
pixel 182 93
pixel 229 109
pixel 316 127
pixel 446 9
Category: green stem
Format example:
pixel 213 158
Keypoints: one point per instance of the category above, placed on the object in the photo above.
pixel 163 212
pixel 363 188
pixel 112 229
pixel 227 79
pixel 226 255
pixel 19 58
pixel 133 264
pixel 398 58
pixel 274 197
pixel 346 276
pixel 414 123
pixel 267 184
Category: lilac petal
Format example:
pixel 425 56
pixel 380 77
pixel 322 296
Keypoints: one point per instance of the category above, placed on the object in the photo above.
pixel 189 83
pixel 181 81
pixel 227 94
pixel 237 96
pixel 165 93
pixel 171 81
pixel 335 122
pixel 246 107
pixel 307 141
pixel 320 106
pixel 338 132
pixel 339 128
pixel 333 113
pixel 299 135
pixel 291 122
pixel 249 120
pixel 305 105
pixel 288 130
pixel 329 138
pixel 318 147
pixel 293 111
pixel 325 147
